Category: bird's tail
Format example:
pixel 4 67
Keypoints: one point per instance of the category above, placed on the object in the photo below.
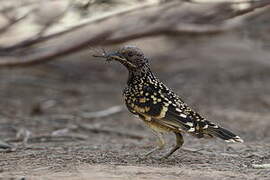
pixel 222 133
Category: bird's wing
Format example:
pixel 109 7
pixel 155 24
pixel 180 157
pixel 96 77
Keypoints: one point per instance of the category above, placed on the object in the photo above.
pixel 165 107
pixel 162 105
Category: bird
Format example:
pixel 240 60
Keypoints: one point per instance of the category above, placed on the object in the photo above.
pixel 159 107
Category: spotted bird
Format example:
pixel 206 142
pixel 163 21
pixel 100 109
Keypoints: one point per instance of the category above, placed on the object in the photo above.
pixel 158 106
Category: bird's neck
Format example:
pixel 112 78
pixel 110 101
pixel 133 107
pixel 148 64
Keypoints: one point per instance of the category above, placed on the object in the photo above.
pixel 139 75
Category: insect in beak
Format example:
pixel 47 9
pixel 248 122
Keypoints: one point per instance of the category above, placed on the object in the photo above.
pixel 115 56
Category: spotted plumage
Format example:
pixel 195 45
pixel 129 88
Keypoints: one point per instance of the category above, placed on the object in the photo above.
pixel 158 106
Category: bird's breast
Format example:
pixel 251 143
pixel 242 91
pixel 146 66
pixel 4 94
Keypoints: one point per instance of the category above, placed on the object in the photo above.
pixel 158 127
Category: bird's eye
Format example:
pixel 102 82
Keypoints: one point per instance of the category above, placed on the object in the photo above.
pixel 130 54
pixel 109 59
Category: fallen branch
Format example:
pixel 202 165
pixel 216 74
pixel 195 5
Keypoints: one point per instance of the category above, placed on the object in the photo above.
pixel 49 54
pixel 39 39
pixel 11 23
pixel 119 28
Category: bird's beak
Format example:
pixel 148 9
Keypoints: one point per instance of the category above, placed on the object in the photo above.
pixel 117 57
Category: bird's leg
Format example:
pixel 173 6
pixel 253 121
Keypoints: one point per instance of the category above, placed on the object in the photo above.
pixel 179 143
pixel 160 143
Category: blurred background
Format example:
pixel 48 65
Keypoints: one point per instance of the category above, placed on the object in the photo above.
pixel 61 107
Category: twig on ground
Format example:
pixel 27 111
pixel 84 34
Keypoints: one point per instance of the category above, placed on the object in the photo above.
pixel 261 166
pixel 60 132
pixel 103 113
pixel 4 145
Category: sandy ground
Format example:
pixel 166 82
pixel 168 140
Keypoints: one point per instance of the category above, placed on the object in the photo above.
pixel 225 77
pixel 226 84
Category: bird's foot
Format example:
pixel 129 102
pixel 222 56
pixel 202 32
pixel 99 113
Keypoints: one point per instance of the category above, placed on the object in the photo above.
pixel 151 151
pixel 145 156
pixel 164 156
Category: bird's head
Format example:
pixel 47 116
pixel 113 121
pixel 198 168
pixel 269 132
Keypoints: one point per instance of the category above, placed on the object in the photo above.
pixel 130 56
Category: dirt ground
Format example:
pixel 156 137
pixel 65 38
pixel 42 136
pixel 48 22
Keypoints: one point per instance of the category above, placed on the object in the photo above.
pixel 225 77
